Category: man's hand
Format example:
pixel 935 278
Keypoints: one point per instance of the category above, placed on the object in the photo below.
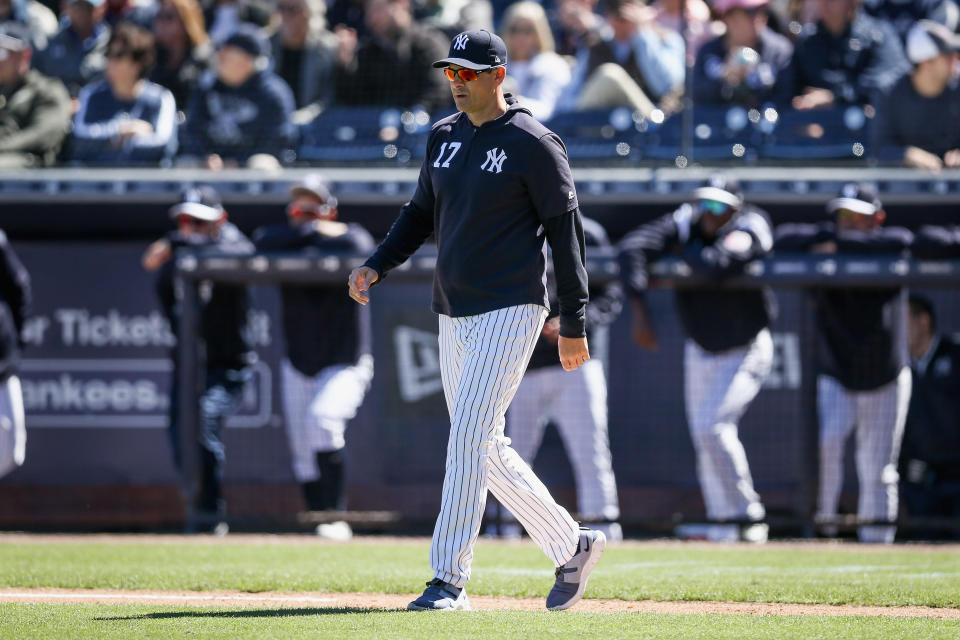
pixel 360 281
pixel 952 159
pixel 813 98
pixel 828 247
pixel 551 331
pixel 919 159
pixel 156 255
pixel 573 352
pixel 642 329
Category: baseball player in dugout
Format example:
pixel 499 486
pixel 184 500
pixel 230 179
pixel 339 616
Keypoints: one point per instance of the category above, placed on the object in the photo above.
pixel 729 351
pixel 14 305
pixel 328 364
pixel 864 377
pixel 202 226
pixel 495 184
pixel 576 403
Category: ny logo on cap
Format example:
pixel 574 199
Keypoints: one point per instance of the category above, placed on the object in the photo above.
pixel 460 42
pixel 495 158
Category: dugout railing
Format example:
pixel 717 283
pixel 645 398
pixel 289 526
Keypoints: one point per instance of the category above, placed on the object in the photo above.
pixel 793 511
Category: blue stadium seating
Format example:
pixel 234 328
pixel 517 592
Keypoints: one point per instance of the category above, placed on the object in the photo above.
pixel 841 133
pixel 720 134
pixel 358 134
pixel 607 136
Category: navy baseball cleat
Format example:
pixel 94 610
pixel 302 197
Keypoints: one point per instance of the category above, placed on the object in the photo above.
pixel 572 576
pixel 441 596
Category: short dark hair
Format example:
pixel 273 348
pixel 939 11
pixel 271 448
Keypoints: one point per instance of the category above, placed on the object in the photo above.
pixel 135 42
pixel 922 304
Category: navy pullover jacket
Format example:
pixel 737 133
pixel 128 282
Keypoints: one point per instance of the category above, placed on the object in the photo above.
pixel 492 195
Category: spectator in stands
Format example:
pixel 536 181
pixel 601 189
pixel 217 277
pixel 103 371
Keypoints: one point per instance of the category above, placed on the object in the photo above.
pixel 635 63
pixel 864 381
pixel 77 53
pixel 139 12
pixel 537 75
pixel 847 57
pixel 700 26
pixel 748 65
pixel 393 65
pixel 241 113
pixel 223 17
pixel 575 23
pixel 349 15
pixel 930 457
pixel 305 54
pixel 41 22
pixel 34 109
pixel 183 48
pixel 227 355
pixel 903 15
pixel 125 119
pixel 14 306
pixel 917 123
pixel 455 16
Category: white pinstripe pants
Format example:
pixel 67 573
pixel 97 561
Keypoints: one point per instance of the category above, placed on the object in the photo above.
pixel 879 416
pixel 482 361
pixel 13 433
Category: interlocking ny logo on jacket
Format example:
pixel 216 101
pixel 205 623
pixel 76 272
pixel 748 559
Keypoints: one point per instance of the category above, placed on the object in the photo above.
pixel 494 161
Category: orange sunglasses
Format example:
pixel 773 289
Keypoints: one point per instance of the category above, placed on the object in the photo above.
pixel 467 75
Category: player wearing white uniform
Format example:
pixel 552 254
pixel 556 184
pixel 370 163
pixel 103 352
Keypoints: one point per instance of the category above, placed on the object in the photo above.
pixel 14 303
pixel 494 186
pixel 729 351
pixel 329 364
pixel 864 380
pixel 576 402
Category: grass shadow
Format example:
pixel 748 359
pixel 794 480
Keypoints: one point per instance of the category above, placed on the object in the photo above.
pixel 282 612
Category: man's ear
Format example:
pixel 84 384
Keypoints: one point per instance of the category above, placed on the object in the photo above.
pixel 501 74
pixel 880 216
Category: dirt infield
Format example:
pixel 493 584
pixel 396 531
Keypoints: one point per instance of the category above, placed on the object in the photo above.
pixel 480 603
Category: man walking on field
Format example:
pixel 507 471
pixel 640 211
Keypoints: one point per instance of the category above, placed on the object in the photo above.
pixel 494 185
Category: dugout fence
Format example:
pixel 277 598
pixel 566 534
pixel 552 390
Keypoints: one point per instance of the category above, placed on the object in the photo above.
pixel 396 445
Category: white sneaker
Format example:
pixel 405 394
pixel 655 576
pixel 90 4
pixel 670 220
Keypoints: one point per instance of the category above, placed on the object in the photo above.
pixel 339 531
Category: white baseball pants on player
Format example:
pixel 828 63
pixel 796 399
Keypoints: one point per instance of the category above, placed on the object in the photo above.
pixel 719 387
pixel 482 359
pixel 879 416
pixel 13 432
pixel 575 401
pixel 317 409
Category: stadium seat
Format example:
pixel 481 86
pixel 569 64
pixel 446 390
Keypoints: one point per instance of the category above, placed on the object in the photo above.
pixel 719 134
pixel 598 136
pixel 842 133
pixel 359 134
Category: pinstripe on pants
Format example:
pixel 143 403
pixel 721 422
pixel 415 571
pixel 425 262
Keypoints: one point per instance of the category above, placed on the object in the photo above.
pixel 483 358
pixel 13 433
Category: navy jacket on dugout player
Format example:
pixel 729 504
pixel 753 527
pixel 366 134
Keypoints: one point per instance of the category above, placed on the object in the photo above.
pixel 322 326
pixel 475 193
pixel 224 307
pixel 744 312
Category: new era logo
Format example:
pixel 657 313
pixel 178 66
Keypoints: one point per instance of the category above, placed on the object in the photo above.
pixel 494 161
pixel 460 42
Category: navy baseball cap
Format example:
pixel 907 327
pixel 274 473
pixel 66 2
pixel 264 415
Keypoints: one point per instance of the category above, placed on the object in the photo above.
pixel 478 50
pixel 314 185
pixel 202 203
pixel 857 197
pixel 721 188
pixel 247 38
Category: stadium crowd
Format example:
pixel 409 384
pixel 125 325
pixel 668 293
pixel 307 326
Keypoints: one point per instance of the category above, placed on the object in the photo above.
pixel 221 83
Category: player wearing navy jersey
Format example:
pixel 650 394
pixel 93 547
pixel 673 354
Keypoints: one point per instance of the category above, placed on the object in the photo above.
pixel 494 186
pixel 328 364
pixel 576 403
pixel 864 379
pixel 729 351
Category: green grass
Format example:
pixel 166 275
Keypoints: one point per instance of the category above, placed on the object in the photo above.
pixel 103 622
pixel 841 575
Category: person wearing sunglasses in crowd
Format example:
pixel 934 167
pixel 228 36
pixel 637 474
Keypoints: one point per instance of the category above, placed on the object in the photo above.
pixel 725 362
pixel 864 378
pixel 202 226
pixel 125 119
pixel 329 362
